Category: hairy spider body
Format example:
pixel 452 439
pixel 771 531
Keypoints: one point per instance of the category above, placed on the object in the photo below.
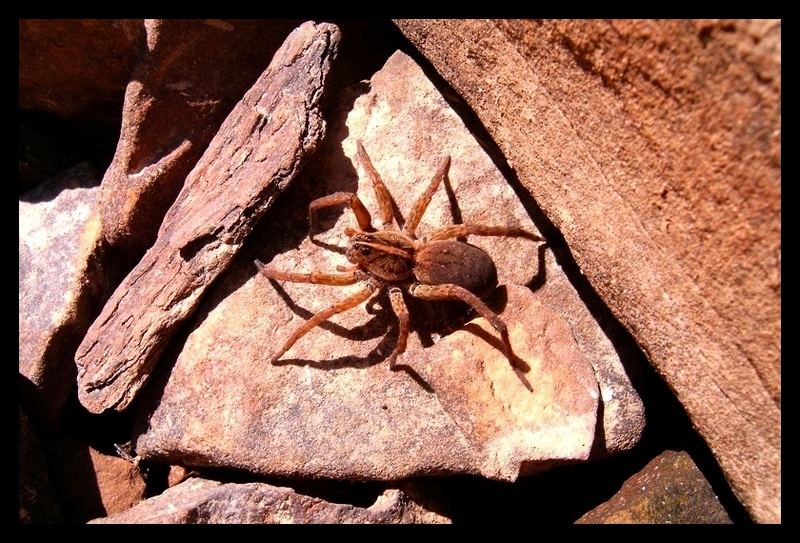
pixel 443 262
pixel 438 267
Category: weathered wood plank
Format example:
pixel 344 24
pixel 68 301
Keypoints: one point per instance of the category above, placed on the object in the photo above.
pixel 256 153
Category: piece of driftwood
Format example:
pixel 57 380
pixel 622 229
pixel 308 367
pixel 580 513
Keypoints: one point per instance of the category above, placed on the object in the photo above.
pixel 256 153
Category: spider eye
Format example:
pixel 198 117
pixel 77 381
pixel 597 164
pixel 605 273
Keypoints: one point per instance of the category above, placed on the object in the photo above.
pixel 364 250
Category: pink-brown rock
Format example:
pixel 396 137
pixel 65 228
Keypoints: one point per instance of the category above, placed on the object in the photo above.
pixel 77 68
pixel 188 76
pixel 670 489
pixel 90 483
pixel 256 153
pixel 177 475
pixel 654 147
pixel 37 500
pixel 201 501
pixel 330 408
pixel 62 282
pixel 510 429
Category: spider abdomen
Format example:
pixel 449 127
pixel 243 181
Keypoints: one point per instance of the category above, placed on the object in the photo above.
pixel 457 263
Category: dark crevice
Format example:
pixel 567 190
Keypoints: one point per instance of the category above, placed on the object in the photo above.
pixel 190 250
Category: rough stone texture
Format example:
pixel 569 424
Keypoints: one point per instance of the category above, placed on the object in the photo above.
pixel 201 501
pixel 509 428
pixel 654 147
pixel 77 68
pixel 188 76
pixel 331 408
pixel 37 501
pixel 623 415
pixel 62 282
pixel 256 153
pixel 670 489
pixel 177 475
pixel 92 484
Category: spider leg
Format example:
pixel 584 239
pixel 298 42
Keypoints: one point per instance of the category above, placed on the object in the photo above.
pixel 318 278
pixel 336 199
pixel 347 268
pixel 455 292
pixel 400 309
pixel 381 192
pixel 339 307
pixel 425 198
pixel 461 230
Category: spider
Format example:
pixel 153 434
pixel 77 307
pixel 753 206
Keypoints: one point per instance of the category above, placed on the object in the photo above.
pixel 437 267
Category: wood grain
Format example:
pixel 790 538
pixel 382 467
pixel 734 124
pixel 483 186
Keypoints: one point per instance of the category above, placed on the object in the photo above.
pixel 256 153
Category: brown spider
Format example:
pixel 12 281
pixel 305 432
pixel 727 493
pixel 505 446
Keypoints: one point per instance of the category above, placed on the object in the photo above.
pixel 434 268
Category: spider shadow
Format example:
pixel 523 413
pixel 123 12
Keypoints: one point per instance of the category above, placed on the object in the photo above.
pixel 442 318
pixel 376 356
pixel 338 249
pixel 428 319
pixel 398 216
pixel 455 208
pixel 540 277
pixel 497 302
pixel 518 365
pixel 379 326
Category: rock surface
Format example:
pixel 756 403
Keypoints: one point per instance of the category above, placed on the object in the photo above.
pixel 654 147
pixel 77 68
pixel 37 501
pixel 92 484
pixel 62 282
pixel 177 475
pixel 670 489
pixel 201 501
pixel 256 153
pixel 174 104
pixel 330 407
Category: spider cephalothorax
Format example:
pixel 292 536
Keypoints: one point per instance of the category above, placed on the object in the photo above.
pixel 438 267
pixel 387 255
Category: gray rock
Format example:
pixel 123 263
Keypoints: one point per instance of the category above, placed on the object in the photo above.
pixel 62 282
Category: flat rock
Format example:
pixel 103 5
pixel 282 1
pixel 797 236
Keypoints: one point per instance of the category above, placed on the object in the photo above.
pixel 201 501
pixel 62 282
pixel 90 483
pixel 330 408
pixel 668 196
pixel 37 500
pixel 623 414
pixel 510 429
pixel 188 76
pixel 256 153
pixel 670 489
